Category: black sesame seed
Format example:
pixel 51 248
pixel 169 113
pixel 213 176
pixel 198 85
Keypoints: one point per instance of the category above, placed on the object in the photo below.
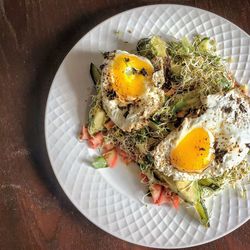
pixel 219 154
pixel 126 114
pixel 111 94
pixel 102 66
pixel 227 109
pixel 235 115
pixel 242 108
pixel 231 98
pixel 106 55
pixel 134 71
pixel 143 72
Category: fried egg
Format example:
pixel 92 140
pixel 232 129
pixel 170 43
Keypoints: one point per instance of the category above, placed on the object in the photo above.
pixel 129 91
pixel 209 145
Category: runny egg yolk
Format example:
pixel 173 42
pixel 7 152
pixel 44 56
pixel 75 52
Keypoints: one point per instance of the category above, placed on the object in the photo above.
pixel 193 152
pixel 130 75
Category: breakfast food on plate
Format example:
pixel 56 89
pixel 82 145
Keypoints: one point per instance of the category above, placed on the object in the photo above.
pixel 174 109
pixel 129 90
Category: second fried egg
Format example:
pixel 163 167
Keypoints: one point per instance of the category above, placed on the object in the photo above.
pixel 209 145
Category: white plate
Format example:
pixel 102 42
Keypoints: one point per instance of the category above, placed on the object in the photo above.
pixel 111 198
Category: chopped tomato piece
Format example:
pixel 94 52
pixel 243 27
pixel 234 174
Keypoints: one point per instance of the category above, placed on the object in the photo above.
pixel 127 160
pixel 122 153
pixel 107 146
pixel 124 156
pixel 156 190
pixel 165 197
pixel 111 157
pixel 108 125
pixel 144 178
pixel 175 200
pixel 96 140
pixel 84 134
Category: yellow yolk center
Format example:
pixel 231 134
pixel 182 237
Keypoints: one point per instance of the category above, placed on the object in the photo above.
pixel 130 75
pixel 193 152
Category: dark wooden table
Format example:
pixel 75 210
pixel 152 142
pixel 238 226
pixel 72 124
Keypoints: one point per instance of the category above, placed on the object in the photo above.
pixel 35 35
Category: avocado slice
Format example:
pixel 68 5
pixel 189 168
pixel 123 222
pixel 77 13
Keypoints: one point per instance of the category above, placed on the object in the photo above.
pixel 97 118
pixel 190 192
pixel 210 183
pixel 151 47
pixel 95 73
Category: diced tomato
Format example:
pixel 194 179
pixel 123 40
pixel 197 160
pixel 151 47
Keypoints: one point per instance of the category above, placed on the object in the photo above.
pixel 107 146
pixel 108 125
pixel 175 200
pixel 127 160
pixel 124 156
pixel 144 178
pixel 122 153
pixel 156 190
pixel 162 195
pixel 84 134
pixel 111 157
pixel 165 197
pixel 96 140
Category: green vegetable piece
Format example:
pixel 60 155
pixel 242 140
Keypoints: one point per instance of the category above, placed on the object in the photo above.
pixel 187 46
pixel 186 102
pixel 190 192
pixel 151 47
pixel 95 73
pixel 202 212
pixel 179 106
pixel 210 183
pixel 153 125
pixel 207 45
pixel 96 120
pixel 100 162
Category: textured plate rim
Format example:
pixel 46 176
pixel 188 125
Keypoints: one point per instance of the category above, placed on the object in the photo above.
pixel 46 130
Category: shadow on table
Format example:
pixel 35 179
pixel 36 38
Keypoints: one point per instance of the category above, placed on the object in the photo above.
pixel 48 57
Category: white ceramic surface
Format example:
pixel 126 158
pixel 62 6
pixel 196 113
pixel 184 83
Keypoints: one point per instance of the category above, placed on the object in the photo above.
pixel 111 198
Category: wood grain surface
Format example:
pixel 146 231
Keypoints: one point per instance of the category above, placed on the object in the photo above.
pixel 35 35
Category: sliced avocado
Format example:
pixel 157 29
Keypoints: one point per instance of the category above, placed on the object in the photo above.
pixel 190 192
pixel 202 211
pixel 210 183
pixel 207 45
pixel 151 47
pixel 95 73
pixel 96 120
pixel 185 103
